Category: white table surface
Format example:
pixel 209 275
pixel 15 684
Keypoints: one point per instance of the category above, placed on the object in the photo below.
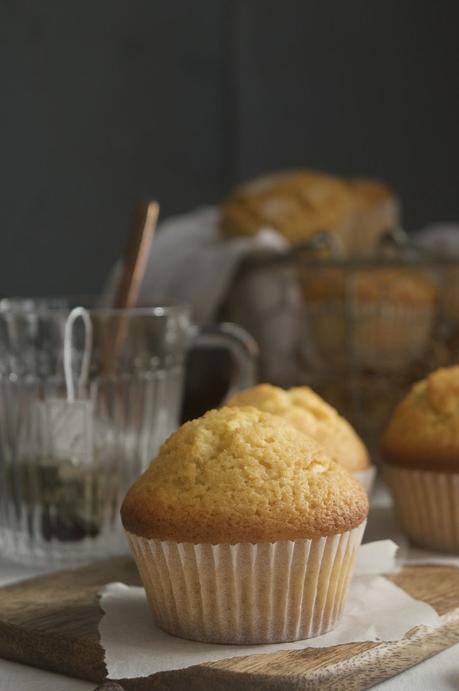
pixel 440 673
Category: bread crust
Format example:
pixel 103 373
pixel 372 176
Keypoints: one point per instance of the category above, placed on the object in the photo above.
pixel 300 203
pixel 296 203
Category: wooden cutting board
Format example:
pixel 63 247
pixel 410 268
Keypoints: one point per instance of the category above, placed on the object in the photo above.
pixel 51 622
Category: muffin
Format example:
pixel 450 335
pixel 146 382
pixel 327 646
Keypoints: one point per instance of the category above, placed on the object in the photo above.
pixel 244 530
pixel 310 414
pixel 421 450
pixel 392 313
pixel 325 311
pixel 300 203
pixel 379 318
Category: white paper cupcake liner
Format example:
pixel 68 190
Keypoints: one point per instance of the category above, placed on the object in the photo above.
pixel 247 593
pixel 366 478
pixel 427 505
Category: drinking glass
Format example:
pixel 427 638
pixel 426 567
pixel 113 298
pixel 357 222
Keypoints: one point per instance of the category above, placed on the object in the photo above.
pixel 87 395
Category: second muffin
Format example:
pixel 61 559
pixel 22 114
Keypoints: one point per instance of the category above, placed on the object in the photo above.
pixel 310 414
pixel 244 530
pixel 421 449
pixel 379 319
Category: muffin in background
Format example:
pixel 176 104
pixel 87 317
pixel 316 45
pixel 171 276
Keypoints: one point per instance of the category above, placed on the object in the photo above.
pixel 379 318
pixel 310 414
pixel 393 315
pixel 244 530
pixel 421 451
pixel 326 314
pixel 300 203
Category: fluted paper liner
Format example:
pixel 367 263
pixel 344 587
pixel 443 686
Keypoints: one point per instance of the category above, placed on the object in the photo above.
pixel 247 593
pixel 427 505
pixel 366 478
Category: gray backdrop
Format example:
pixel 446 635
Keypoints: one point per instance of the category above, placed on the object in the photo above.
pixel 105 103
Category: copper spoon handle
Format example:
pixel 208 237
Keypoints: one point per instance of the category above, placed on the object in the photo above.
pixel 128 288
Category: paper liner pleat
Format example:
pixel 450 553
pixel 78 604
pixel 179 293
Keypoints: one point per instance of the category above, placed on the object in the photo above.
pixel 247 593
pixel 427 506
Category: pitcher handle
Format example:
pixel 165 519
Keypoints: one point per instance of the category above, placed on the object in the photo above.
pixel 241 346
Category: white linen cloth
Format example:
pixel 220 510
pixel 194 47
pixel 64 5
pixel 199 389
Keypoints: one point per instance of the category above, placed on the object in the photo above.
pixel 439 237
pixel 192 261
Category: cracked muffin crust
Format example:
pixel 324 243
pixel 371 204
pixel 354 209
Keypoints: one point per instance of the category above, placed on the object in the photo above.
pixel 239 474
pixel 309 413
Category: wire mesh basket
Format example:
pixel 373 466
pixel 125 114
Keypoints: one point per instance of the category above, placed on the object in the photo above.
pixel 359 332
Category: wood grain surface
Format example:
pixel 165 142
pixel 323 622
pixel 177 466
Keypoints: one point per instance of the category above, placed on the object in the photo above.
pixel 51 622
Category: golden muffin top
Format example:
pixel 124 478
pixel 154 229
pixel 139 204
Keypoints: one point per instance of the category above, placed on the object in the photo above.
pixel 424 430
pixel 392 286
pixel 309 413
pixel 242 475
pixel 296 203
pixel 406 286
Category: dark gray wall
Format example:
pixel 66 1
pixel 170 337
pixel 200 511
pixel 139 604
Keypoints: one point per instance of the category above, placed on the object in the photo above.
pixel 103 103
pixel 355 87
pixel 108 102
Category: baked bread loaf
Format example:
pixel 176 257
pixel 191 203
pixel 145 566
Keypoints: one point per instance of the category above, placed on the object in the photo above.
pixel 296 203
pixel 300 203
